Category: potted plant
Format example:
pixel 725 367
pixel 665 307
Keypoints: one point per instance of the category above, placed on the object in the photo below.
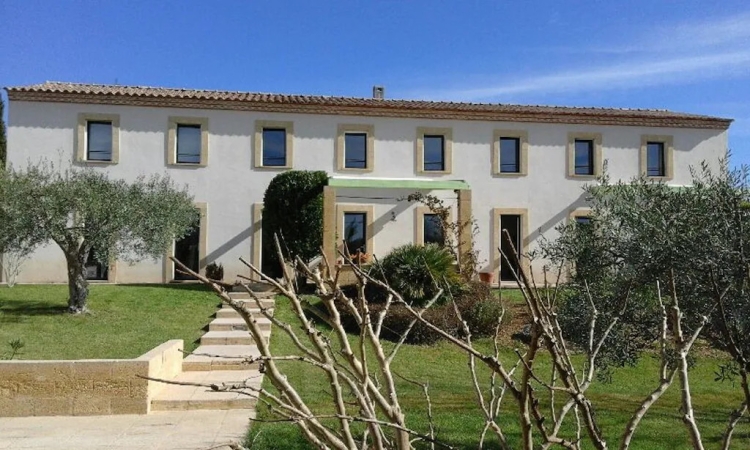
pixel 487 277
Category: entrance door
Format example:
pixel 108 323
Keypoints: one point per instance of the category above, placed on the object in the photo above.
pixel 186 250
pixel 511 223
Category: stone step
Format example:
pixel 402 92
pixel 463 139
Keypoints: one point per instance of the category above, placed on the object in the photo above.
pixel 183 398
pixel 224 313
pixel 230 338
pixel 251 304
pixel 246 295
pixel 221 357
pixel 236 323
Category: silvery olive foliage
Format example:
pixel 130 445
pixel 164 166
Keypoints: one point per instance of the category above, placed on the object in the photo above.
pixel 83 210
pixel 694 240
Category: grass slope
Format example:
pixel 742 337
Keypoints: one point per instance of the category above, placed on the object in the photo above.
pixel 126 320
pixel 459 421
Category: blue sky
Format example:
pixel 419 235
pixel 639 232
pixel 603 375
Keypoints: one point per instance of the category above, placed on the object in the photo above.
pixel 686 55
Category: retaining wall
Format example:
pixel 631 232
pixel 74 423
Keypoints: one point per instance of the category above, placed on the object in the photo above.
pixel 87 387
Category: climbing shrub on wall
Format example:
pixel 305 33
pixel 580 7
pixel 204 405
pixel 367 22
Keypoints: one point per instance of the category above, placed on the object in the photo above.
pixel 293 208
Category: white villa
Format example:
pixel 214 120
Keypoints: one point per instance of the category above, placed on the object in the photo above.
pixel 511 167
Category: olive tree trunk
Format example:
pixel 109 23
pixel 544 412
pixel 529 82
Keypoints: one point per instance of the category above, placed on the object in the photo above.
pixel 78 286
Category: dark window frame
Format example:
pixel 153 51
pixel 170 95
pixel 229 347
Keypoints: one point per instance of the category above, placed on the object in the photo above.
pixel 661 169
pixel 109 151
pixel 101 269
pixel 268 159
pixel 589 167
pixel 429 218
pixel 515 166
pixel 431 166
pixel 193 250
pixel 177 143
pixel 347 159
pixel 359 245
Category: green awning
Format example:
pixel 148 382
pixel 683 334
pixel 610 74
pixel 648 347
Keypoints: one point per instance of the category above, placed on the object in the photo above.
pixel 398 183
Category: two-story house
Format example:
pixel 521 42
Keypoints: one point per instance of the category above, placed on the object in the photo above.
pixel 511 167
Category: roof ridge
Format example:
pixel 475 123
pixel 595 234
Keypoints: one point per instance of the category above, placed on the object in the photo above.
pixel 327 96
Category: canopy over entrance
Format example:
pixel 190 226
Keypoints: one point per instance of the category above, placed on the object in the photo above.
pixel 461 188
pixel 398 183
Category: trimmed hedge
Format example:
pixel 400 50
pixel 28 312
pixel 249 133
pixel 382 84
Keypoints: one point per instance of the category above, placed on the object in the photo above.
pixel 293 208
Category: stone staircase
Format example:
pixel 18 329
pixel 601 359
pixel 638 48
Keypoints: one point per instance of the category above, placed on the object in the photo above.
pixel 220 358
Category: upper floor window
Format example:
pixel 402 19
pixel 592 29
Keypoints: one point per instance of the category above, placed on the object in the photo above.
pixel 98 138
pixel 355 151
pixel 434 150
pixel 655 159
pixel 584 154
pixel 510 155
pixel 434 153
pixel 273 144
pixel 99 141
pixel 188 144
pixel 584 157
pixel 354 147
pixel 274 147
pixel 656 156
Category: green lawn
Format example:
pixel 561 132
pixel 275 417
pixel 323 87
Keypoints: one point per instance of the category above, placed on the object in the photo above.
pixel 459 422
pixel 125 321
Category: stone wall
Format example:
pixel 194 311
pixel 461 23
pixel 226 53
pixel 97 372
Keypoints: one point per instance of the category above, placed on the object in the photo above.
pixel 86 387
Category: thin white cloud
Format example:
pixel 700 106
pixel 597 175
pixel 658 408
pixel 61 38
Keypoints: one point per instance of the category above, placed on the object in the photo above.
pixel 624 75
pixel 683 53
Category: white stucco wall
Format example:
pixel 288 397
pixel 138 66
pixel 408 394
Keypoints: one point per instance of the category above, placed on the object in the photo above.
pixel 230 184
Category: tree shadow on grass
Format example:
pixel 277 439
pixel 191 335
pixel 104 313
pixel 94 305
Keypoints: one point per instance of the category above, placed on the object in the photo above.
pixel 172 286
pixel 13 311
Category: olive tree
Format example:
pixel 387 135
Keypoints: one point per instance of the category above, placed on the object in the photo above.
pixel 84 211
pixel 693 241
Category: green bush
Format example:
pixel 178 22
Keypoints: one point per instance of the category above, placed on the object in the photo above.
pixel 478 306
pixel 293 208
pixel 415 271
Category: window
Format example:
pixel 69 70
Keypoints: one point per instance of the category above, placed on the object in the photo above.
pixel 433 230
pixel 187 251
pixel 516 222
pixel 584 157
pixel 274 147
pixel 510 155
pixel 355 151
pixel 99 141
pixel 355 232
pixel 98 138
pixel 434 150
pixel 434 153
pixel 187 141
pixel 655 166
pixel 583 220
pixel 354 148
pixel 273 144
pixel 191 249
pixel 94 269
pixel 511 223
pixel 188 144
pixel 656 159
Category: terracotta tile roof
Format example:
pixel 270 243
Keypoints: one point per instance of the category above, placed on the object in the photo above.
pixel 317 104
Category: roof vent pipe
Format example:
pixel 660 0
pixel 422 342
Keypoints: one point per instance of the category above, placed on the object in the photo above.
pixel 378 92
